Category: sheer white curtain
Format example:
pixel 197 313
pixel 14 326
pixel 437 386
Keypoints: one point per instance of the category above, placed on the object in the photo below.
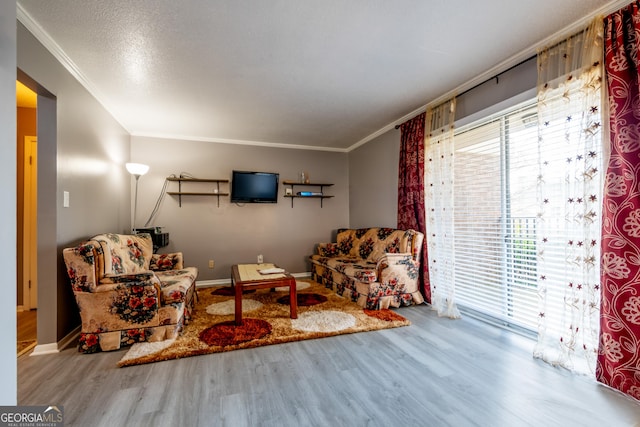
pixel 439 176
pixel 570 140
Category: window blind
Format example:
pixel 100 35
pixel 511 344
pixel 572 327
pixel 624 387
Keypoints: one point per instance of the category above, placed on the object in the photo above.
pixel 509 231
pixel 496 168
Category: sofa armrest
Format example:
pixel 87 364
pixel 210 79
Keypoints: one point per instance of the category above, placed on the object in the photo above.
pixel 417 243
pixel 140 278
pixel 84 264
pixel 116 282
pixel 398 271
pixel 329 250
pixel 170 261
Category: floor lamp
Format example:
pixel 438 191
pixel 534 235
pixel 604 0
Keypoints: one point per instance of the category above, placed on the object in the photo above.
pixel 137 170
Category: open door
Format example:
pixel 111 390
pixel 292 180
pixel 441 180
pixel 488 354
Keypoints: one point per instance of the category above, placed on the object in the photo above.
pixel 27 217
pixel 30 241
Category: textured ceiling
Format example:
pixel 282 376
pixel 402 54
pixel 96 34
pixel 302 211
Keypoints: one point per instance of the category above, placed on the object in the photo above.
pixel 320 73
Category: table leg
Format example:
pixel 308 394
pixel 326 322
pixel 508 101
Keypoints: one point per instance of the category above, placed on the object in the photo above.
pixel 238 304
pixel 293 298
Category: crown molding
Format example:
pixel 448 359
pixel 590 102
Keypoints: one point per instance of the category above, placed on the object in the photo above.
pixel 50 45
pixel 238 142
pixel 573 28
pixel 58 53
pixel 43 37
pixel 387 128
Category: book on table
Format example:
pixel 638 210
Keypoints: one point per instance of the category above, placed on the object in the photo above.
pixel 272 270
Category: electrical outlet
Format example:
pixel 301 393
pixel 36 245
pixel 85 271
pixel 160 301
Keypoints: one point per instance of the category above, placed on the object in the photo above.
pixel 260 259
pixel 211 263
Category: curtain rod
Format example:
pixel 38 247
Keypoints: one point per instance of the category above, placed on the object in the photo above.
pixel 496 77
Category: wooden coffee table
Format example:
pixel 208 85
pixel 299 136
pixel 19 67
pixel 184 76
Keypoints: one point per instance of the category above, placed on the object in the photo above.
pixel 246 277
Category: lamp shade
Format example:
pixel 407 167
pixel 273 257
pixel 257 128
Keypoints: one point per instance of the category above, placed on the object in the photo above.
pixel 137 169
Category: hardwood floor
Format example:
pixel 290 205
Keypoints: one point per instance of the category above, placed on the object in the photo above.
pixel 27 330
pixel 27 322
pixel 436 372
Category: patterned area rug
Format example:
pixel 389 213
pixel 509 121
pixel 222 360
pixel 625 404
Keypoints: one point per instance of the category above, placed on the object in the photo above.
pixel 266 321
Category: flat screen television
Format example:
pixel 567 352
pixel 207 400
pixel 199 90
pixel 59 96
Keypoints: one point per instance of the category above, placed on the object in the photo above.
pixel 254 187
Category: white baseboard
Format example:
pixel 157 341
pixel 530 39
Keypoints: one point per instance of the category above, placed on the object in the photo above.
pixel 226 282
pixel 305 274
pixel 41 349
pixel 65 342
pixel 210 283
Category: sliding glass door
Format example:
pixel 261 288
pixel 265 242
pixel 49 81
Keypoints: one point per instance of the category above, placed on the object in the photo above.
pixel 495 207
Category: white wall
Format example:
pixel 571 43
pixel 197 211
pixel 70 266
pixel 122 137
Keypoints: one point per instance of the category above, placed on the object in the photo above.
pixel 8 390
pixel 231 233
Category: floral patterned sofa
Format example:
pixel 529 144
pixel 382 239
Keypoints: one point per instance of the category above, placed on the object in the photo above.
pixel 126 293
pixel 375 267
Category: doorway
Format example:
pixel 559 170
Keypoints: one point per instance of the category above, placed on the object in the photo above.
pixel 26 207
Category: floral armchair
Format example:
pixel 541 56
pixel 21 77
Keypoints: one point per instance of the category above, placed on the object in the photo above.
pixel 374 267
pixel 126 293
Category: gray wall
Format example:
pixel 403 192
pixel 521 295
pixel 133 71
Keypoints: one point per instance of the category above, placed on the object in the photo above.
pixel 8 391
pixel 231 233
pixel 373 182
pixel 82 150
pixel 488 97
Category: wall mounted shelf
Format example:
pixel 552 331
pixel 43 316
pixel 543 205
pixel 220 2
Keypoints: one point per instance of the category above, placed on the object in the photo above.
pixel 294 194
pixel 215 193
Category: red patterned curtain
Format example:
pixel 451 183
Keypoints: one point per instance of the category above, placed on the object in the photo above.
pixel 411 212
pixel 619 351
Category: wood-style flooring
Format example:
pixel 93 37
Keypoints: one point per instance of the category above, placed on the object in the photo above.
pixel 26 332
pixel 436 372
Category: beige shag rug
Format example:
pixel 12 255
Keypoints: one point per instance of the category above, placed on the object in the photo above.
pixel 266 321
